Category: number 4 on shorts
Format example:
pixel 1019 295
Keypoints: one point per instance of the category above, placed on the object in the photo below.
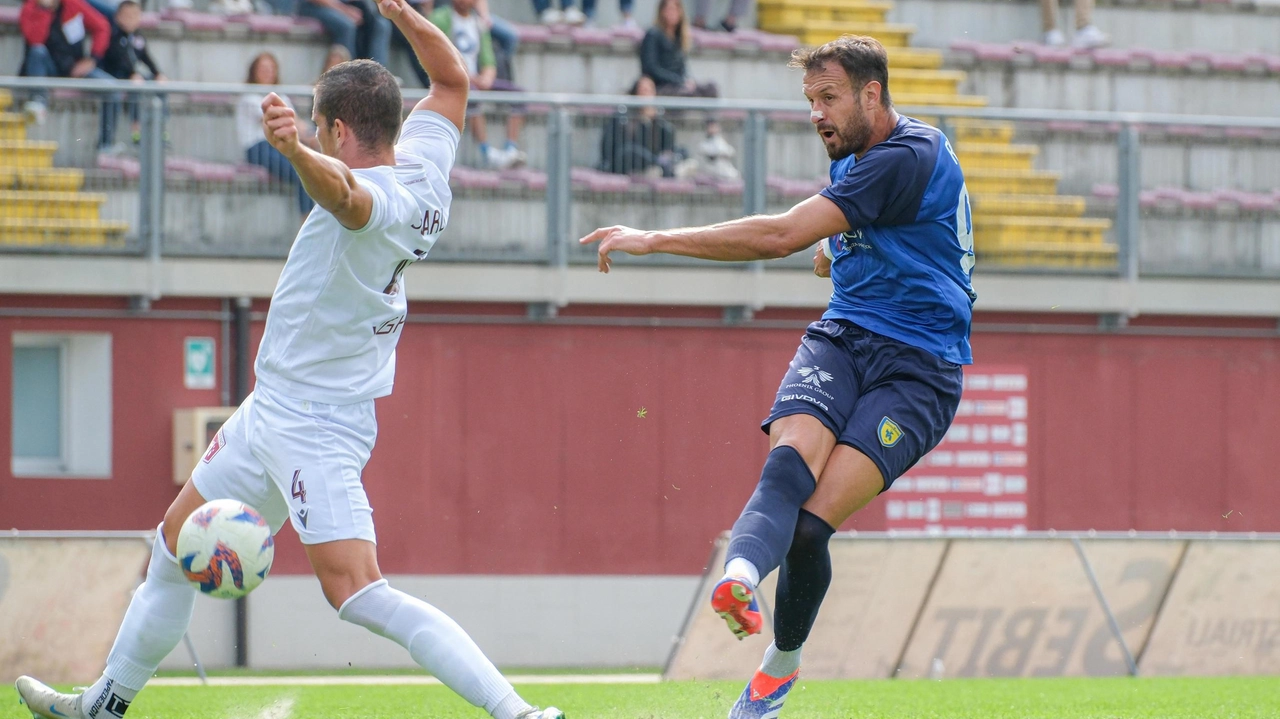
pixel 298 491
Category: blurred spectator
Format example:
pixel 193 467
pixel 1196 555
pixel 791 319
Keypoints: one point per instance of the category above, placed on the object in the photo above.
pixel 662 54
pixel 474 43
pixel 503 34
pixel 56 33
pixel 566 14
pixel 127 50
pixel 636 141
pixel 264 70
pixel 702 8
pixel 336 56
pixel 1087 36
pixel 355 24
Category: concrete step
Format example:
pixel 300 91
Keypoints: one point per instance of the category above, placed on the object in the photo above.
pixel 1027 205
pixel 1051 255
pixel 25 204
pixel 1011 182
pixel 994 156
pixel 801 13
pixel 61 179
pixel 41 232
pixel 994 232
pixel 816 33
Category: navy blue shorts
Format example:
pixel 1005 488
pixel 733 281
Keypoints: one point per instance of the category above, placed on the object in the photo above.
pixel 889 400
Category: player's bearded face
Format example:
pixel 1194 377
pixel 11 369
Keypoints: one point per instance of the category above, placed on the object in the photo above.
pixel 844 136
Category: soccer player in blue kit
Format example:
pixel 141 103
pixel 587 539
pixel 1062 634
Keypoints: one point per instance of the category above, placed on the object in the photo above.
pixel 875 383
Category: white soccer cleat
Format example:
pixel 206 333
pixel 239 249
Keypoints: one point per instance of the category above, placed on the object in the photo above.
pixel 45 701
pixel 548 713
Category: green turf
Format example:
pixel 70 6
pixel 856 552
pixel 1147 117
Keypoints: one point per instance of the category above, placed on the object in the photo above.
pixel 1213 698
pixel 412 671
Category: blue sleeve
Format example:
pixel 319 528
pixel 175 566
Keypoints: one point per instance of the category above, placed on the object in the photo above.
pixel 885 187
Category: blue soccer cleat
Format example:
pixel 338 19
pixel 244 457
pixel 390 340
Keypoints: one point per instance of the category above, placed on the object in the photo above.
pixel 763 697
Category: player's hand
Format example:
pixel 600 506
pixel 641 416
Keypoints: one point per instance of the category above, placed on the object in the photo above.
pixel 280 125
pixel 391 9
pixel 83 67
pixel 821 264
pixel 620 239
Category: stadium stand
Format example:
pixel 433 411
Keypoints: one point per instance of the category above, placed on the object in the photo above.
pixel 41 204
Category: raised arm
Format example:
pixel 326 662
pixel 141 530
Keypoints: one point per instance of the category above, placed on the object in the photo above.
pixel 328 180
pixel 437 55
pixel 759 237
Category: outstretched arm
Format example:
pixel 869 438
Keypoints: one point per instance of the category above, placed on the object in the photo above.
pixel 759 237
pixel 329 181
pixel 438 56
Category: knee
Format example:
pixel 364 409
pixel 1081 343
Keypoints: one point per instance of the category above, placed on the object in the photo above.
pixel 812 534
pixel 340 584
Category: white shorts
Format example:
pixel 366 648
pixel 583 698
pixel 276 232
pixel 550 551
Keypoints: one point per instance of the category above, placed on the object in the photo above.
pixel 295 458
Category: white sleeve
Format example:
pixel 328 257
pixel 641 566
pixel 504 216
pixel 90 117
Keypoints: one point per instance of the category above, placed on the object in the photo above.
pixel 429 137
pixel 381 214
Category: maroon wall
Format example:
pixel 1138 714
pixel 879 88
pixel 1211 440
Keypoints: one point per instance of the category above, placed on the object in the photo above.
pixel 516 448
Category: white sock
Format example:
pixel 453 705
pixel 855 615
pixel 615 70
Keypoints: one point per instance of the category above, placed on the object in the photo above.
pixel 158 616
pixel 778 663
pixel 436 643
pixel 739 567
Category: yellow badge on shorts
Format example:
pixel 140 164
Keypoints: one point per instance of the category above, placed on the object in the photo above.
pixel 889 432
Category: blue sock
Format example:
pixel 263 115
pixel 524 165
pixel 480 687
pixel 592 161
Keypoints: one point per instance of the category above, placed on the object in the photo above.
pixel 802 582
pixel 484 150
pixel 762 535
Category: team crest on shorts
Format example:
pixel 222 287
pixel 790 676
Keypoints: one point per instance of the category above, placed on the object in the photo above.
pixel 889 432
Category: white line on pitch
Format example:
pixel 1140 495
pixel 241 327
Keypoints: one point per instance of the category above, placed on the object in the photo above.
pixel 391 679
pixel 278 710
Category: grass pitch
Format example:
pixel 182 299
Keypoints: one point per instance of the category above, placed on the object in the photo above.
pixel 1198 698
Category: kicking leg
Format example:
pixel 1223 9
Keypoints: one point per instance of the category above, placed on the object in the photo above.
pixel 158 616
pixel 762 535
pixel 349 576
pixel 848 482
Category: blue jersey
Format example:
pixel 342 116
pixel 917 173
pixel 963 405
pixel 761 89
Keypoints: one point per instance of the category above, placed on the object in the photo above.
pixel 903 268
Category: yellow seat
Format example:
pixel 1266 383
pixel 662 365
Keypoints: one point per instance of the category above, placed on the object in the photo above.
pixel 997 232
pixel 910 57
pixel 1011 182
pixel 60 179
pixel 798 13
pixel 910 100
pixel 925 82
pixel 79 233
pixel 6 100
pixel 1027 205
pixel 23 204
pixel 889 35
pixel 27 153
pixel 13 126
pixel 994 156
pixel 1048 254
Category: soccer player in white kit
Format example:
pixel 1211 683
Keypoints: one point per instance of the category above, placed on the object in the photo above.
pixel 297 445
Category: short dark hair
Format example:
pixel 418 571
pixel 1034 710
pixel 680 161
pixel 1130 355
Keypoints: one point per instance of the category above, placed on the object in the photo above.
pixel 126 3
pixel 863 58
pixel 365 96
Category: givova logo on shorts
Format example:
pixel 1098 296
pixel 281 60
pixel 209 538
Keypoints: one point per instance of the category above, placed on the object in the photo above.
pixel 889 431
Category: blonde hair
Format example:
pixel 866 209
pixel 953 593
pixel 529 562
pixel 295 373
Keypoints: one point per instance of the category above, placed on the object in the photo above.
pixel 340 52
pixel 683 36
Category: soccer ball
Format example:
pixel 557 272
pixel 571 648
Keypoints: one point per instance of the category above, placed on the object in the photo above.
pixel 225 548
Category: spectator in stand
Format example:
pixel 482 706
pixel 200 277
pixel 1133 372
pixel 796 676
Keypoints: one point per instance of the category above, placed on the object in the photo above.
pixel 126 51
pixel 264 70
pixel 640 142
pixel 355 24
pixel 1087 36
pixel 56 33
pixel 503 34
pixel 566 14
pixel 702 8
pixel 462 24
pixel 662 54
pixel 336 56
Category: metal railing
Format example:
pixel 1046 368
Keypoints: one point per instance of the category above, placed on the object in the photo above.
pixel 536 214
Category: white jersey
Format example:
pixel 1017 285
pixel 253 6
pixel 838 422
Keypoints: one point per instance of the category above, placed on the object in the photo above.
pixel 339 306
